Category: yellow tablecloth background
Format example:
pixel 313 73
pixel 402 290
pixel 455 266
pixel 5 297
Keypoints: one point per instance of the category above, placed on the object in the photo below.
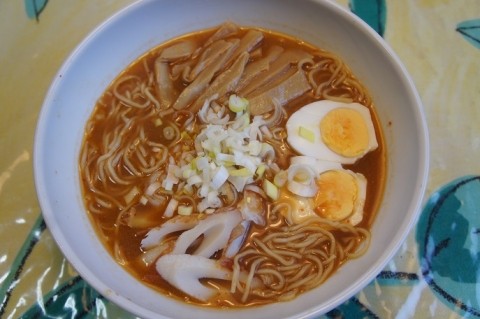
pixel 444 66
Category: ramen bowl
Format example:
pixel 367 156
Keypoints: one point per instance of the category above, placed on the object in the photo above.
pixel 145 24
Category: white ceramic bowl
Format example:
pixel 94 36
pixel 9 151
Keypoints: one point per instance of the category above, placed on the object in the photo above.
pixel 145 24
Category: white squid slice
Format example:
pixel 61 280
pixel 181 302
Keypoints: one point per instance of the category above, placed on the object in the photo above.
pixel 178 223
pixel 184 271
pixel 216 229
pixel 237 239
pixel 252 207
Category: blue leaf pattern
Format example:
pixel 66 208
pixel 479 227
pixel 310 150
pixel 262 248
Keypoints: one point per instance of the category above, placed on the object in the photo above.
pixel 447 236
pixel 74 299
pixel 470 30
pixel 372 12
pixel 34 8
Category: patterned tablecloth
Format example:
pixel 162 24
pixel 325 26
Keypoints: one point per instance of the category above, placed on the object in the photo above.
pixel 436 273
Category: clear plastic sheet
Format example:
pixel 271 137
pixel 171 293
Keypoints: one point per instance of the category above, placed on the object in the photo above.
pixel 436 273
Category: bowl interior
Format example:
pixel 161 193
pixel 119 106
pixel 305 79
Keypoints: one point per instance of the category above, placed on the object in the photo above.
pixel 143 25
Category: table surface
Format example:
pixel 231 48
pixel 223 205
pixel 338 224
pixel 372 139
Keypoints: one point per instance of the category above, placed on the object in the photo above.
pixel 439 43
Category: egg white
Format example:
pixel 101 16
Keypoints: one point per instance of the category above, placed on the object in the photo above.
pixel 310 116
pixel 357 216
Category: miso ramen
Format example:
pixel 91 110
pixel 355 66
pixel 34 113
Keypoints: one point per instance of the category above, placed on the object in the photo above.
pixel 234 167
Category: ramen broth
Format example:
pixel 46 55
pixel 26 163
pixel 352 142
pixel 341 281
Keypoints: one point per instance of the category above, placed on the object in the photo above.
pixel 124 206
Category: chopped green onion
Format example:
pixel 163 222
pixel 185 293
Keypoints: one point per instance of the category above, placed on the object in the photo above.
pixel 187 173
pixel 185 136
pixel 219 177
pixel 152 188
pixel 280 178
pixel 194 180
pixel 242 172
pixel 307 134
pixel 171 207
pixel 261 170
pixel 202 163
pixel 130 196
pixel 270 189
pixel 157 122
pixel 143 200
pixel 243 120
pixel 185 210
pixel 254 147
pixel 193 163
pixel 225 158
pixel 237 104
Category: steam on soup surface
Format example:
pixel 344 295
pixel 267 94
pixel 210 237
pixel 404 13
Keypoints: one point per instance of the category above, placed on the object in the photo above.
pixel 233 167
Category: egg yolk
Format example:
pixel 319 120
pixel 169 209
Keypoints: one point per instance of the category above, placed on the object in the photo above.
pixel 344 131
pixel 336 196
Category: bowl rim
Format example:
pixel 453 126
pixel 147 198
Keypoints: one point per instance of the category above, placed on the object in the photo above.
pixel 92 278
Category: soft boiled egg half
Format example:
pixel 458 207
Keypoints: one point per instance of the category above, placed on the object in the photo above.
pixel 332 131
pixel 330 191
